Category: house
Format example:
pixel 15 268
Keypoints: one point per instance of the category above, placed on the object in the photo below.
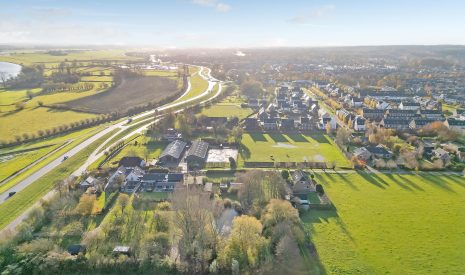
pixel 197 154
pixel 362 153
pixel 419 123
pixel 396 124
pixel 305 124
pixel 455 124
pixel 131 162
pixel 428 149
pixel 401 114
pixel 383 105
pixel 173 152
pixel 287 124
pixel 379 152
pixel 301 183
pixel 409 106
pixel 442 155
pixel 328 120
pixel 251 124
pixel 124 175
pixel 432 114
pixel 75 249
pixel 161 182
pixel 373 114
pixel 270 124
pixel 122 250
pixel 171 135
pixel 356 102
pixel 359 123
pixel 88 182
pixel 131 186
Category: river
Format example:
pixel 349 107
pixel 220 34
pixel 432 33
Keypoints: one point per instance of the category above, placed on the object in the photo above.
pixel 10 69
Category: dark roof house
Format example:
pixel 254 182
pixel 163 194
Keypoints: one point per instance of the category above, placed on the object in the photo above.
pixel 130 162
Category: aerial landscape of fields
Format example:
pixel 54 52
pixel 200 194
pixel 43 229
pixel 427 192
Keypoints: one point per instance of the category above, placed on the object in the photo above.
pixel 232 137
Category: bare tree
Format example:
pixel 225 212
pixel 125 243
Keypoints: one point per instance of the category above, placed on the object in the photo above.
pixel 194 221
pixel 3 78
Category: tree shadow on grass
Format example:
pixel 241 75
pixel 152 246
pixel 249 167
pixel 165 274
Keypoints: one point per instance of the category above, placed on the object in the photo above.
pixel 399 182
pixel 320 138
pixel 437 182
pixel 298 137
pixel 411 183
pixel 373 179
pixel 257 136
pixel 456 179
pixel 278 137
pixel 335 177
pixel 244 152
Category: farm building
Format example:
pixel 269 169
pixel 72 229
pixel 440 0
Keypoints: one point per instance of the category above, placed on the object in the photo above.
pixel 173 151
pixel 197 154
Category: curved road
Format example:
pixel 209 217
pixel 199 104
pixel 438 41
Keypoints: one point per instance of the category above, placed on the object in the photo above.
pixel 96 155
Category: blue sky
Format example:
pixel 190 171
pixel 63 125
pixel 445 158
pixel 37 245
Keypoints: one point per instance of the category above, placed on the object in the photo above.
pixel 232 23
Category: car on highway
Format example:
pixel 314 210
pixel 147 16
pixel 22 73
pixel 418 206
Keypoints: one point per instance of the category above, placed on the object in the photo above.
pixel 65 158
pixel 11 194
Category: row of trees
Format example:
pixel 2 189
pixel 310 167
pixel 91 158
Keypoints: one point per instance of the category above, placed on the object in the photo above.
pixel 84 123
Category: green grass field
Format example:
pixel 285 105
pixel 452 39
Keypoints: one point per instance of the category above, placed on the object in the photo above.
pixel 291 147
pixel 199 85
pixel 227 110
pixel 390 224
pixel 30 120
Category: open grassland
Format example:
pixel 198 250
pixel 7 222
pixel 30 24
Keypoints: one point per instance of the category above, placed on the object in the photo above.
pixel 227 110
pixel 30 120
pixel 396 224
pixel 29 58
pixel 14 206
pixel 291 147
pixel 164 73
pixel 199 85
pixel 130 93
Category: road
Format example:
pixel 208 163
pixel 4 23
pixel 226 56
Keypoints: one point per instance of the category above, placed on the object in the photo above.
pixel 96 154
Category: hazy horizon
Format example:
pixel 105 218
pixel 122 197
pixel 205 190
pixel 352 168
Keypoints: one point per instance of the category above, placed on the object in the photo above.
pixel 232 24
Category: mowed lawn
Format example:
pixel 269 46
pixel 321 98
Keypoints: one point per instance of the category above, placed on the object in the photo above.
pixel 227 110
pixel 291 147
pixel 391 224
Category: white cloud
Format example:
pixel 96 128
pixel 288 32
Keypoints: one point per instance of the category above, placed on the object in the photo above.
pixel 313 15
pixel 218 6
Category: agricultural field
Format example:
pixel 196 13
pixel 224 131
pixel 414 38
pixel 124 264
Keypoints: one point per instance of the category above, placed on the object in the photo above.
pixel 28 58
pixel 130 93
pixel 394 223
pixel 291 147
pixel 35 119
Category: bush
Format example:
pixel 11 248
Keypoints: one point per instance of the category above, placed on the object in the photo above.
pixel 319 189
pixel 285 174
